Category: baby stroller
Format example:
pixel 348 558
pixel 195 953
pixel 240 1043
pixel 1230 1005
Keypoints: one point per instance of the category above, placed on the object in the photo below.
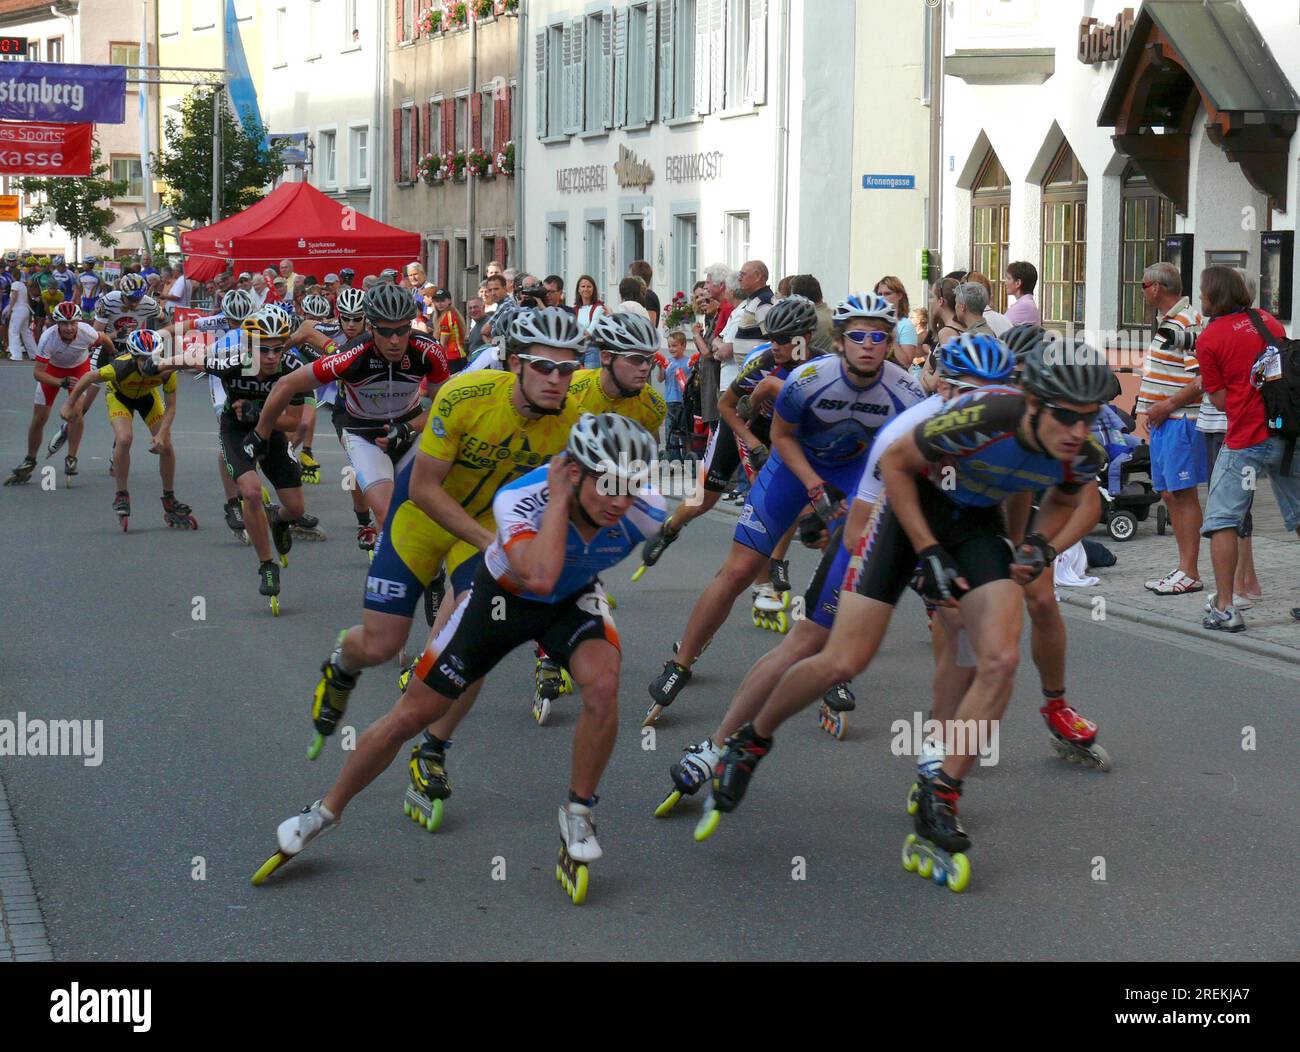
pixel 1127 490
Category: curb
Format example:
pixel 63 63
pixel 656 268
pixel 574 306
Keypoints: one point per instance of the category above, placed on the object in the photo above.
pixel 1239 641
pixel 22 927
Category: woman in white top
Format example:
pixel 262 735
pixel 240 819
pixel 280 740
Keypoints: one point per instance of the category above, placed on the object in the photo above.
pixel 588 308
pixel 19 315
pixel 906 339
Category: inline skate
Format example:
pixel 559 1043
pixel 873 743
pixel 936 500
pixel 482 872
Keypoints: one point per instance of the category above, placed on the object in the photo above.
pixel 234 512
pixel 731 777
pixel 1073 737
pixel 122 506
pixel 69 469
pixel 836 704
pixel 779 573
pixel 56 443
pixel 654 549
pixel 430 785
pixel 770 609
pixel 936 851
pixel 22 473
pixel 552 682
pixel 928 764
pixel 177 515
pixel 294 834
pixel 330 699
pixel 692 771
pixel 269 575
pixel 664 690
pixel 310 467
pixel 307 528
pixel 578 847
pixel 281 533
pixel 366 537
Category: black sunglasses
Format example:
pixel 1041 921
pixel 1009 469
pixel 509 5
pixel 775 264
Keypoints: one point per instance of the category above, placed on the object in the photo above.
pixel 1070 417
pixel 402 330
pixel 546 367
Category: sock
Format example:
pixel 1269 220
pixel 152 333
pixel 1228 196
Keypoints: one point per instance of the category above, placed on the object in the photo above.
pixel 168 494
pixel 586 801
pixel 436 742
pixel 307 450
pixel 363 518
pixel 1053 695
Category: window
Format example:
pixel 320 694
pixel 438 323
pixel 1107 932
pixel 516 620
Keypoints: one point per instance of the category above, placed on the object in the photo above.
pixel 435 143
pixel 679 39
pixel 405 172
pixel 281 36
pixel 459 277
pixel 487 122
pixel 737 51
pixel 313 29
pixel 130 170
pixel 326 152
pixel 409 15
pixel 686 252
pixel 990 223
pixel 640 72
pixel 557 248
pixel 736 238
pixel 594 258
pixel 555 82
pixel 351 27
pixel 594 71
pixel 205 13
pixel 633 242
pixel 1146 219
pixel 361 156
pixel 1065 241
pixel 54 49
pixel 124 54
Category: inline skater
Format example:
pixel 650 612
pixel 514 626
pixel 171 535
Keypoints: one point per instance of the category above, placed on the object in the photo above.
pixel 941 511
pixel 486 429
pixel 62 358
pixel 543 569
pixel 120 312
pixel 318 316
pixel 825 418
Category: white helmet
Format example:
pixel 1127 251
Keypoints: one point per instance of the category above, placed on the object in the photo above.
pixel 351 304
pixel 610 444
pixel 624 334
pixel 315 307
pixel 552 327
pixel 238 304
pixel 865 305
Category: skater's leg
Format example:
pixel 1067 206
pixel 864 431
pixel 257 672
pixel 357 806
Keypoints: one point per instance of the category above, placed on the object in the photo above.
pixel 380 743
pixel 36 429
pixel 711 609
pixel 805 640
pixel 783 545
pixel 123 436
pixel 292 501
pixel 951 679
pixel 77 426
pixel 249 486
pixel 595 668
pixel 166 452
pixel 228 487
pixel 378 497
pixel 1047 629
pixel 377 639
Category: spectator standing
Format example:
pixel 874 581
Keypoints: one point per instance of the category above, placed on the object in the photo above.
pixel 905 335
pixel 178 295
pixel 146 265
pixel 1212 424
pixel 1168 397
pixel 259 289
pixel 554 285
pixel 970 299
pixel 495 287
pixel 675 374
pixel 476 310
pixel 745 329
pixel 449 329
pixel 1227 350
pixel 1022 279
pixel 588 309
pixel 649 299
pixel 996 320
pixel 286 272
pixel 708 369
pixel 943 311
pixel 810 288
pixel 631 290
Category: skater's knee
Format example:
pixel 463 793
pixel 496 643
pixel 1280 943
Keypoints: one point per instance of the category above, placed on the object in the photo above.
pixel 600 692
pixel 250 489
pixel 123 441
pixel 1042 607
pixel 999 663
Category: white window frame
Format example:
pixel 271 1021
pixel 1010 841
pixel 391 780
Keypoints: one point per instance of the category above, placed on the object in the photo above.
pixel 737 250
pixel 128 157
pixel 356 153
pixel 557 248
pixel 638 108
pixel 593 75
pixel 686 253
pixel 738 16
pixel 410 12
pixel 461 141
pixel 323 176
pixel 281 31
pixel 313 30
pixel 555 82
pixel 435 127
pixel 351 21
pixel 683 71
pixel 594 261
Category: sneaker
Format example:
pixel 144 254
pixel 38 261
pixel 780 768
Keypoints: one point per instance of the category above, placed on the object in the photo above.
pixel 1239 602
pixel 1177 583
pixel 1151 586
pixel 1227 621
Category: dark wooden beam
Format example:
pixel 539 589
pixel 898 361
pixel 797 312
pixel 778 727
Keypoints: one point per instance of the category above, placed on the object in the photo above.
pixel 1163 159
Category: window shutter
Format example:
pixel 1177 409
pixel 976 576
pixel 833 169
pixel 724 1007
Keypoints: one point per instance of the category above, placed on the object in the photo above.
pixel 401 22
pixel 756 75
pixel 651 59
pixel 429 144
pixel 718 51
pixel 397 144
pixel 575 52
pixel 667 34
pixel 703 69
pixel 543 100
pixel 476 121
pixel 448 125
pixel 620 67
pixel 500 253
pixel 607 68
pixel 444 262
pixel 506 125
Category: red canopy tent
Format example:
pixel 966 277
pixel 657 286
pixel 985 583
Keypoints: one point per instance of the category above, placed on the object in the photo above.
pixel 296 221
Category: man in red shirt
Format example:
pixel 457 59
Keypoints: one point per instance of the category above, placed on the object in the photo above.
pixel 1227 351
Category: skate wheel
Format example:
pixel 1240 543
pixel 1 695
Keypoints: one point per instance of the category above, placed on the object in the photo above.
pixel 317 744
pixel 909 856
pixel 707 825
pixel 783 622
pixel 434 822
pixel 913 799
pixel 640 573
pixel 1100 758
pixel 670 802
pixel 925 867
pixel 275 606
pixel 124 524
pixel 267 868
pixel 243 537
pixel 566 682
pixel 370 555
pixel 939 876
pixel 758 619
pixel 959 878
pixel 541 710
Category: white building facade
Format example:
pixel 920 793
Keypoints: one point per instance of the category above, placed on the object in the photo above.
pixel 687 132
pixel 1093 137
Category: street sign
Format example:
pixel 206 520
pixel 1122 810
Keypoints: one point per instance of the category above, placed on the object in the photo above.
pixel 9 208
pixel 889 182
pixel 44 149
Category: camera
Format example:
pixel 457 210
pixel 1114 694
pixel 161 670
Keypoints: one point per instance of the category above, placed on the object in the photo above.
pixel 533 296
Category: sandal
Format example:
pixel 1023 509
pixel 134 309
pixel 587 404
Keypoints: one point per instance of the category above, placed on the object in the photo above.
pixel 1178 583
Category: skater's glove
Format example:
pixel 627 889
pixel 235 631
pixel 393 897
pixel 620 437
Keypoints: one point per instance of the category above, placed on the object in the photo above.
pixel 1035 555
pixel 939 575
pixel 248 412
pixel 148 367
pixel 67 383
pixel 758 455
pixel 825 501
pixel 254 446
pixel 400 438
pixel 812 531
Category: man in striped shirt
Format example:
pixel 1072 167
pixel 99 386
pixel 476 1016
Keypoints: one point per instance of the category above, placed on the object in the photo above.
pixel 1170 393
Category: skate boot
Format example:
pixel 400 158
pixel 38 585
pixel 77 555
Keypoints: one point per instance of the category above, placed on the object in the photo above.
pixel 307 528
pixel 836 702
pixel 366 537
pixel 578 847
pixel 664 690
pixel 330 700
pixel 235 518
pixel 769 609
pixel 56 443
pixel 552 682
pixel 22 473
pixel 269 576
pixel 433 597
pixel 654 549
pixel 430 785
pixel 935 850
pixel 295 834
pixel 122 506
pixel 689 773
pixel 177 515
pixel 310 468
pixel 779 571
pixel 1073 737
pixel 678 646
pixel 731 777
pixel 70 466
pixel 281 533
pixel 927 766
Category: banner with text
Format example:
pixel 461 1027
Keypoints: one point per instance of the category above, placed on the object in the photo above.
pixel 62 92
pixel 44 149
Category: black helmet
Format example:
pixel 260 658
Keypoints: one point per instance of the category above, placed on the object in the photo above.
pixel 389 304
pixel 1068 371
pixel 1024 338
pixel 793 316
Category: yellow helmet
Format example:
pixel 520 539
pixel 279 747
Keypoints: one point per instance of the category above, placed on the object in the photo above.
pixel 44 261
pixel 268 324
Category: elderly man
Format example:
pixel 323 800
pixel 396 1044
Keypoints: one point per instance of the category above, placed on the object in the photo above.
pixel 476 310
pixel 744 330
pixel 259 289
pixel 416 279
pixel 972 301
pixel 286 272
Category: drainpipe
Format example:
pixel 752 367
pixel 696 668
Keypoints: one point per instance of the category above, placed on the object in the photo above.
pixel 380 135
pixel 780 210
pixel 517 131
pixel 471 184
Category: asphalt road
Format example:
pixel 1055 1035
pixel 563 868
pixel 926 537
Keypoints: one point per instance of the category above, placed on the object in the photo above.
pixel 205 730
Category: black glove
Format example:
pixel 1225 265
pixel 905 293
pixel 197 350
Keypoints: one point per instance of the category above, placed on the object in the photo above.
pixel 254 446
pixel 1035 553
pixel 825 501
pixel 67 383
pixel 248 412
pixel 758 454
pixel 812 531
pixel 938 575
pixel 400 439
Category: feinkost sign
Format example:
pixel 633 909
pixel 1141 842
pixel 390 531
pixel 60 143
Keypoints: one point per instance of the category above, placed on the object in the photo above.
pixel 62 93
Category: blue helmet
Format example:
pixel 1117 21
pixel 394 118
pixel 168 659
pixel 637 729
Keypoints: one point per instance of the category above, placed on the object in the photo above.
pixel 865 305
pixel 979 355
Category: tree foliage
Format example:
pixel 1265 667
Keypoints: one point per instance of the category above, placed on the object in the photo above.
pixel 75 203
pixel 248 164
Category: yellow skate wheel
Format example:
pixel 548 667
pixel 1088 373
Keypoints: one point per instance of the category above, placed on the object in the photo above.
pixel 275 606
pixel 913 799
pixel 284 561
pixel 371 555
pixel 566 682
pixel 613 603
pixel 909 856
pixel 925 867
pixel 707 825
pixel 959 878
pixel 640 573
pixel 578 892
pixel 783 622
pixel 317 744
pixel 267 868
pixel 266 497
pixel 434 822
pixel 670 802
pixel 758 619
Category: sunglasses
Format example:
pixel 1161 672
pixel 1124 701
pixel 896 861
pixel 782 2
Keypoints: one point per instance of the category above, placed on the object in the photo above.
pixel 1070 417
pixel 546 367
pixel 862 336
pixel 391 334
pixel 633 359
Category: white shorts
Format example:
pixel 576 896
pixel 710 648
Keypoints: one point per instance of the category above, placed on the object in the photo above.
pixel 371 464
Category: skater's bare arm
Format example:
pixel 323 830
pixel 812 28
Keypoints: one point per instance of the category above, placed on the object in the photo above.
pixel 288 387
pixel 70 409
pixel 901 463
pixel 727 410
pixel 859 515
pixel 1067 518
pixel 427 475
pixel 785 440
pixel 290 420
pixel 539 560
pixel 1017 510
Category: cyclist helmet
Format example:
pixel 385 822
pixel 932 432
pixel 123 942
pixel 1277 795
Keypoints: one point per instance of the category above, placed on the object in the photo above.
pixel 1021 339
pixel 11 257
pixel 89 261
pixel 238 304
pixel 978 355
pixel 865 305
pixel 351 304
pixel 624 334
pixel 388 276
pixel 131 285
pixel 44 261
pixel 1068 371
pixel 143 343
pixel 57 261
pixel 503 323
pixel 793 316
pixel 387 303
pixel 347 274
pixel 550 327
pixel 65 313
pixel 269 323
pixel 316 308
pixel 610 444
